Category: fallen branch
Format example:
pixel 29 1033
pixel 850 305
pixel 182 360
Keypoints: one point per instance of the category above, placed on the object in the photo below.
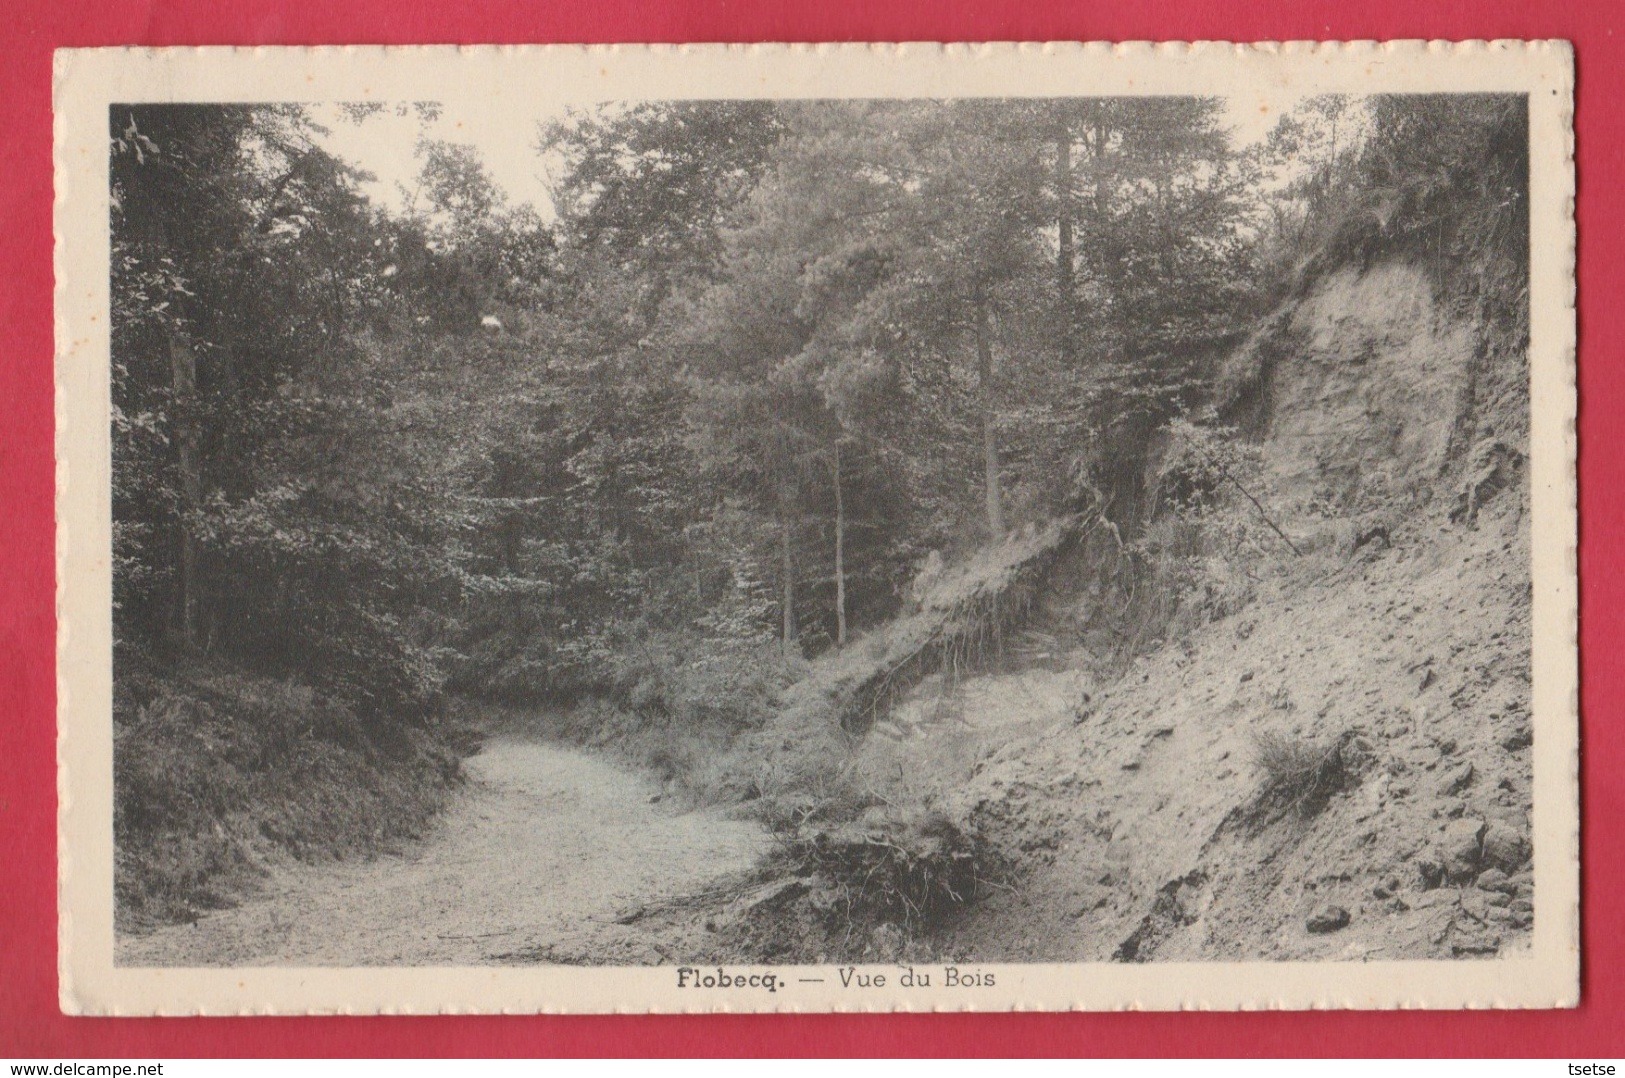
pixel 1215 462
pixel 1248 495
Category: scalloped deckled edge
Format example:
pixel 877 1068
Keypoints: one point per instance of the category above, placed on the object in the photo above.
pixel 89 983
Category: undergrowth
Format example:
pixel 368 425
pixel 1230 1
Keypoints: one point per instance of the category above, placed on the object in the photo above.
pixel 889 850
pixel 216 773
pixel 909 867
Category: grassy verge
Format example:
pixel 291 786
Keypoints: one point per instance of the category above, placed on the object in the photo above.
pixel 217 774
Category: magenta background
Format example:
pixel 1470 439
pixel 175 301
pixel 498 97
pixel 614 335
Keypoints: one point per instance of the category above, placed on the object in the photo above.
pixel 30 1024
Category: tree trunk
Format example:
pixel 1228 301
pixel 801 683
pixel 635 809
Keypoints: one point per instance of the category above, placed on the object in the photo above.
pixel 840 554
pixel 1065 257
pixel 183 383
pixel 787 573
pixel 186 414
pixel 990 437
pixel 1110 255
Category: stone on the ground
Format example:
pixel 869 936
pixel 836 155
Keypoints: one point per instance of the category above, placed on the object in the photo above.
pixel 1441 897
pixel 1327 919
pixel 1457 779
pixel 1461 848
pixel 1505 847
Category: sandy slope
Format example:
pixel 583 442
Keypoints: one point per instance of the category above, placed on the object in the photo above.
pixel 533 862
pixel 1139 836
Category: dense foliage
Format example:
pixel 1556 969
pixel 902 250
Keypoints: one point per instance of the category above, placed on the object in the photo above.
pixel 766 363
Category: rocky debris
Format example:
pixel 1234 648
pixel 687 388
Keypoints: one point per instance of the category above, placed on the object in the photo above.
pixel 1091 899
pixel 1478 933
pixel 1178 903
pixel 1505 847
pixel 1376 533
pixel 1456 779
pixel 1490 469
pixel 1476 945
pixel 1327 919
pixel 1460 848
pixel 1444 766
pixel 1486 906
pixel 1521 738
pixel 1441 897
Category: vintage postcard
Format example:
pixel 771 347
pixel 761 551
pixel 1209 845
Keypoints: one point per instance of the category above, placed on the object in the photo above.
pixel 809 528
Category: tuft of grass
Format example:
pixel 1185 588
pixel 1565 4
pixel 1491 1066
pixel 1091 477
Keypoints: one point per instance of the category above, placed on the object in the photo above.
pixel 1303 774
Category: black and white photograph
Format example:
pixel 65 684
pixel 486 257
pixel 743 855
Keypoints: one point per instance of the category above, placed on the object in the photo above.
pixel 785 541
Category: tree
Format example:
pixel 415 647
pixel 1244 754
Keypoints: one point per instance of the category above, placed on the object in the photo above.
pixel 875 244
pixel 855 332
pixel 607 533
pixel 1151 196
pixel 644 191
pixel 247 273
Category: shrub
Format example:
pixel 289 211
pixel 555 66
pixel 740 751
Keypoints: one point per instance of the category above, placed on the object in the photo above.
pixel 1302 774
pixel 908 866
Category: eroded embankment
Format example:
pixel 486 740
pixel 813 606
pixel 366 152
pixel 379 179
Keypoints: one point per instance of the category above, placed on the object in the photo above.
pixel 1378 628
pixel 1138 821
pixel 536 860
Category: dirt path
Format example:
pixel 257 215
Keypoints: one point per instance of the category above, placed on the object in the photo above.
pixel 533 861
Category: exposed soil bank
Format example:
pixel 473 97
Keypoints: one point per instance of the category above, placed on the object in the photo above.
pixel 534 861
pixel 1137 821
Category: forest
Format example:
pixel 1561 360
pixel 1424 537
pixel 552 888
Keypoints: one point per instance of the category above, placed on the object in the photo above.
pixel 782 407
